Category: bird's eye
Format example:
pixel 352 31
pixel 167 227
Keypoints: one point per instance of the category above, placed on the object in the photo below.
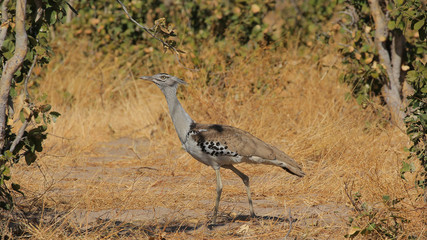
pixel 163 77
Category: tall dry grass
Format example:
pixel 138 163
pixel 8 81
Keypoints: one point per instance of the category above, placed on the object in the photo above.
pixel 292 101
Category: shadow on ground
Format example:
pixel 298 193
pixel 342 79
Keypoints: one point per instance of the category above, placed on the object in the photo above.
pixel 116 228
pixel 18 222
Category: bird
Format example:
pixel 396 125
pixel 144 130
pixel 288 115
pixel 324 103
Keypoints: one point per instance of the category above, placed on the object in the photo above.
pixel 219 146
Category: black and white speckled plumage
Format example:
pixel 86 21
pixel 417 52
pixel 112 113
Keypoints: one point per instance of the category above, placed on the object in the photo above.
pixel 213 148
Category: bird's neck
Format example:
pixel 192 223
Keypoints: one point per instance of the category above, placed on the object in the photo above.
pixel 181 120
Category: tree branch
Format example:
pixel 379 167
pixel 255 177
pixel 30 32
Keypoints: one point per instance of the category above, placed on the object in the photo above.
pixel 12 65
pixel 165 44
pixel 4 21
pixel 20 133
pixel 28 119
pixel 145 28
pixel 27 95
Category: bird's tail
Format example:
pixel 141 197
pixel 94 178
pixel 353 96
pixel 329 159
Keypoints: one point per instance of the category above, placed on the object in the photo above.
pixel 288 164
pixel 295 171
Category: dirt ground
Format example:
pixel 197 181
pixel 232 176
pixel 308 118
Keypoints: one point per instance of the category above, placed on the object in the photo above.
pixel 117 163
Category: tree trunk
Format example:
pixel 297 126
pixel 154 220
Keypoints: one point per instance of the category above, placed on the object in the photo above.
pixel 12 65
pixel 392 62
pixel 4 21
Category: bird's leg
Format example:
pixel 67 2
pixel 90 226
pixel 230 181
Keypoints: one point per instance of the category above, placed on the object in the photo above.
pixel 218 194
pixel 246 182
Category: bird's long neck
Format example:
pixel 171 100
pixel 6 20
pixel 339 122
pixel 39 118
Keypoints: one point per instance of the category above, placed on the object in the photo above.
pixel 181 120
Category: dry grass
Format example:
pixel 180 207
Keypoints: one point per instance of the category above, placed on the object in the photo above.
pixel 299 107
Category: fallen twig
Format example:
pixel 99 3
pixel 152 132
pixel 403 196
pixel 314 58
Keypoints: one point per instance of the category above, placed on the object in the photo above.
pixel 349 194
pixel 27 95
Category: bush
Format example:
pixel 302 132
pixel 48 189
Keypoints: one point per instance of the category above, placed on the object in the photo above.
pixel 24 43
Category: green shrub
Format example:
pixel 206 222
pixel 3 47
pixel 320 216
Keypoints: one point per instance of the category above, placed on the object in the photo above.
pixel 35 114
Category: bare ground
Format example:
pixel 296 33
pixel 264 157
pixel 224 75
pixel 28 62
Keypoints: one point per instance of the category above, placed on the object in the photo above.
pixel 118 161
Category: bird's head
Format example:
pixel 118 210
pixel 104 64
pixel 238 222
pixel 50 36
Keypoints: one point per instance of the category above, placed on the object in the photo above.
pixel 164 80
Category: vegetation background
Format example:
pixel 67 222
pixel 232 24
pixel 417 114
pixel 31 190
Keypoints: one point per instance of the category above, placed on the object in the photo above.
pixel 112 165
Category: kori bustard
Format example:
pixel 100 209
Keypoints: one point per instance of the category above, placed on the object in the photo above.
pixel 219 145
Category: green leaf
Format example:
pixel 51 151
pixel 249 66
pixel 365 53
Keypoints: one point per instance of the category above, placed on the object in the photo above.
pixel 45 120
pixel 30 157
pixel 418 25
pixel 386 198
pixel 401 25
pixel 43 40
pixel 30 55
pixel 423 120
pixel 8 155
pixel 406 167
pixel 54 115
pixel 360 99
pixel 8 46
pixel 32 40
pixel 5 205
pixel 43 128
pixel 38 119
pixel 22 115
pixel 371 227
pixel 45 108
pixel 8 54
pixel 347 96
pixel 353 232
pixel 17 187
pixel 398 19
pixel 391 25
pixel 53 17
pixel 40 50
pixel 13 92
pixel 6 171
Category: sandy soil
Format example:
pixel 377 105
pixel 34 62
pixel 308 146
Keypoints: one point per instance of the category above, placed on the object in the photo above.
pixel 118 161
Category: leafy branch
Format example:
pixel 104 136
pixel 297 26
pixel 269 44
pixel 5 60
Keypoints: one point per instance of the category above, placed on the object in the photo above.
pixel 165 31
pixel 12 65
pixel 23 44
pixel 24 126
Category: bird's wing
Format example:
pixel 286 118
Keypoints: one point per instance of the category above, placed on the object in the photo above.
pixel 214 138
pixel 236 140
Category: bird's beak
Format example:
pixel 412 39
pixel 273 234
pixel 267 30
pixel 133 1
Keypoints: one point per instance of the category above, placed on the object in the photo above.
pixel 146 78
pixel 182 81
